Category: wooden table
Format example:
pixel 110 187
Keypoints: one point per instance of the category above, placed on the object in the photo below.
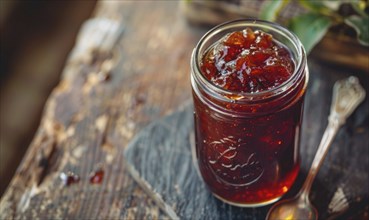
pixel 95 111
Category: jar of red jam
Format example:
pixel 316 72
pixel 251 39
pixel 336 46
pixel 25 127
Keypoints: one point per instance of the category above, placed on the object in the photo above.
pixel 248 80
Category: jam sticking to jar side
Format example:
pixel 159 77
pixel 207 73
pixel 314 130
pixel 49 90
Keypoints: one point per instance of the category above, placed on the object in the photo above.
pixel 252 160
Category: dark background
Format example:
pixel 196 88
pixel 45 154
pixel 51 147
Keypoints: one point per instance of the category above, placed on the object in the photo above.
pixel 35 39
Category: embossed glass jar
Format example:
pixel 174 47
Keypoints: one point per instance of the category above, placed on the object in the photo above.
pixel 247 144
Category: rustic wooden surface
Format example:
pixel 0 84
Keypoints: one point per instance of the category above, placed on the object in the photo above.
pixel 339 45
pixel 88 121
pixel 163 149
pixel 91 117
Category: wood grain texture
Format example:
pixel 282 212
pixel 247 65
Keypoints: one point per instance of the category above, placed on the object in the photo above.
pixel 338 46
pixel 88 121
pixel 161 156
pixel 90 118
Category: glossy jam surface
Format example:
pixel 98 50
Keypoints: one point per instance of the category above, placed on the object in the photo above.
pixel 250 160
pixel 248 61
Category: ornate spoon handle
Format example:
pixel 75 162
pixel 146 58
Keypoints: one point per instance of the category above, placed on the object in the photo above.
pixel 347 95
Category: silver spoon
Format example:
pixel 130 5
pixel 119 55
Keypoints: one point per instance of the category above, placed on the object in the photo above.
pixel 347 95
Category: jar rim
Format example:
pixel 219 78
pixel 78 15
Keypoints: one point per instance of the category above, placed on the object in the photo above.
pixel 229 95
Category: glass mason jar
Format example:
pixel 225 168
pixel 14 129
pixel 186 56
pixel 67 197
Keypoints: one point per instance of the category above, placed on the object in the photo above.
pixel 247 144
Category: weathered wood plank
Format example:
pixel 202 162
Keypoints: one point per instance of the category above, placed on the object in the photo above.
pixel 160 156
pixel 90 117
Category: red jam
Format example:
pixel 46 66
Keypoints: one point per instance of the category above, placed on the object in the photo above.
pixel 254 159
pixel 97 177
pixel 247 61
pixel 69 178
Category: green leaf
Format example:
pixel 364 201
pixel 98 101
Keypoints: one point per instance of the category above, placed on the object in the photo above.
pixel 315 6
pixel 270 9
pixel 360 24
pixel 318 7
pixel 310 28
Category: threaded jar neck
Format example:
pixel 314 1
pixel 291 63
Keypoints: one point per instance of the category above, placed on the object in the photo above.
pixel 222 100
